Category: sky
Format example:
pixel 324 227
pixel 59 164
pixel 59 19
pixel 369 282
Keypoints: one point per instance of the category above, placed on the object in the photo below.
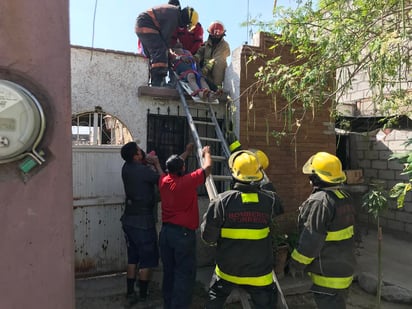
pixel 114 20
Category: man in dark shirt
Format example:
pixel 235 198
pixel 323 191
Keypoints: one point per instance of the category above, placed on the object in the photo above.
pixel 138 220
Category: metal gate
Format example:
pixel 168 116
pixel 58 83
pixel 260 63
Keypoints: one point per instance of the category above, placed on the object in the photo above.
pixel 98 202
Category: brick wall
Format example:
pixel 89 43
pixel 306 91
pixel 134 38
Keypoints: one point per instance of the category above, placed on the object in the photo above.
pixel 371 155
pixel 256 124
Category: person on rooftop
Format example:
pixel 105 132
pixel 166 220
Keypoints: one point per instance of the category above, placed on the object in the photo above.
pixel 212 55
pixel 154 28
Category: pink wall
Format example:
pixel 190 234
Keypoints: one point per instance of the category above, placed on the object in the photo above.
pixel 36 221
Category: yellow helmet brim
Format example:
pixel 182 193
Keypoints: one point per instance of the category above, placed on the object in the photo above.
pixel 334 176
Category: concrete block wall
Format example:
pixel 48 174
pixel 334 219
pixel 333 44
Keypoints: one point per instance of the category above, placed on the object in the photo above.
pixel 371 155
pixel 360 94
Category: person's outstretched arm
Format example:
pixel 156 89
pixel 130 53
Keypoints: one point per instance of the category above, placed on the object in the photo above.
pixel 207 160
pixel 188 151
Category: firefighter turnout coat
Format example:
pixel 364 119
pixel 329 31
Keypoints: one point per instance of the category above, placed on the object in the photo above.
pixel 325 248
pixel 215 56
pixel 155 28
pixel 238 222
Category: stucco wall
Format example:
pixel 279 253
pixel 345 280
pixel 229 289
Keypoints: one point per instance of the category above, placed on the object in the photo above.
pixel 111 79
pixel 231 85
pixel 36 222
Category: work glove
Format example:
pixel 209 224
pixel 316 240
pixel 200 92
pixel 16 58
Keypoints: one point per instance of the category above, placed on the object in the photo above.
pixel 208 66
pixel 296 269
pixel 219 90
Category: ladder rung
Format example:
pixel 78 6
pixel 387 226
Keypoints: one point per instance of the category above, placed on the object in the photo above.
pixel 219 158
pixel 204 122
pixel 202 108
pixel 210 139
pixel 221 177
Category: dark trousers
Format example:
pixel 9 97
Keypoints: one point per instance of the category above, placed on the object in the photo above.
pixel 157 50
pixel 178 254
pixel 263 297
pixel 328 301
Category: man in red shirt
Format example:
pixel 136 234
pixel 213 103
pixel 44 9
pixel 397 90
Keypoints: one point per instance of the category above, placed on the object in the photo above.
pixel 180 217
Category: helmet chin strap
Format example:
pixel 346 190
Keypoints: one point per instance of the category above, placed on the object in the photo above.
pixel 317 182
pixel 215 40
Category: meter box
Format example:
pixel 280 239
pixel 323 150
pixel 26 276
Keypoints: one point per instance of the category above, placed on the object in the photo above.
pixel 22 123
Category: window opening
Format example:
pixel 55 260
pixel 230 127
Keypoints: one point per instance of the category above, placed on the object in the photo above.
pixel 342 150
pixel 98 128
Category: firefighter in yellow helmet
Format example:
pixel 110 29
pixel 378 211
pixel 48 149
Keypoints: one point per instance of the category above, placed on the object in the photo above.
pixel 155 28
pixel 325 249
pixel 238 223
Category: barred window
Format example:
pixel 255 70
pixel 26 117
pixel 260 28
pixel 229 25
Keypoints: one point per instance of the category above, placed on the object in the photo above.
pixel 98 128
pixel 169 135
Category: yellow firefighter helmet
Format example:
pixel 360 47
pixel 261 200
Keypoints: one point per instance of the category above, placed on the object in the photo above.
pixel 326 166
pixel 244 166
pixel 262 157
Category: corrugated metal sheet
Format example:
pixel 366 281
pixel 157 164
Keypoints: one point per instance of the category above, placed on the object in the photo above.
pixel 98 204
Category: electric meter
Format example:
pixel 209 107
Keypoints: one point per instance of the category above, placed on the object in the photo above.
pixel 22 123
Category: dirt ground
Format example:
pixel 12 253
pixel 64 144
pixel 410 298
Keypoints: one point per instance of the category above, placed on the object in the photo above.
pixel 358 299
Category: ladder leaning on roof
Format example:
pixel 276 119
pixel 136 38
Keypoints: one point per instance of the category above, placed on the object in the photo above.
pixel 210 181
pixel 201 141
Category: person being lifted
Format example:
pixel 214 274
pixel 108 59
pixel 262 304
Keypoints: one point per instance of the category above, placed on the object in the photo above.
pixel 184 64
pixel 154 29
pixel 190 37
pixel 238 222
pixel 212 55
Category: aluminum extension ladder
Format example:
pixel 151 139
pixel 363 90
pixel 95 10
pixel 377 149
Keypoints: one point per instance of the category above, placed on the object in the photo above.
pixel 200 141
pixel 210 181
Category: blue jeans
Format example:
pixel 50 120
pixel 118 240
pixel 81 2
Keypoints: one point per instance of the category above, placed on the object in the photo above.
pixel 178 254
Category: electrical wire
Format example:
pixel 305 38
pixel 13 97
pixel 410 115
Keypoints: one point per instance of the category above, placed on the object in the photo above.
pixel 94 24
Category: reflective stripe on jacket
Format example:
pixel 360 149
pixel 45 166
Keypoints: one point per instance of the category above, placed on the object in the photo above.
pixel 162 19
pixel 238 221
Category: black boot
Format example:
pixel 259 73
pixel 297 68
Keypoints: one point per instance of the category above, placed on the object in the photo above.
pixel 143 289
pixel 157 77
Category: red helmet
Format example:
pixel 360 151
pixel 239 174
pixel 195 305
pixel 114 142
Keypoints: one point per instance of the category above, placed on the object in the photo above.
pixel 216 28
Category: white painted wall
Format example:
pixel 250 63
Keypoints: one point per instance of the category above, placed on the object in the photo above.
pixel 110 79
pixel 232 85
